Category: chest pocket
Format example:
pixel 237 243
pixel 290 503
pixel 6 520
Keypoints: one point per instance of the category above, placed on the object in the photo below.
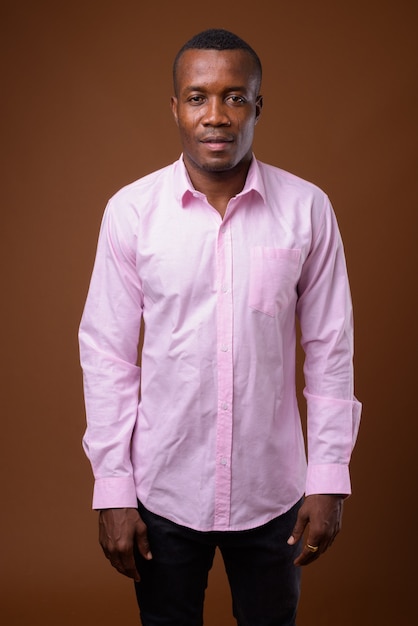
pixel 273 278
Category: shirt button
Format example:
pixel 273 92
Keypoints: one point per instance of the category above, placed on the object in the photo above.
pixel 224 288
pixel 224 461
pixel 224 406
pixel 224 348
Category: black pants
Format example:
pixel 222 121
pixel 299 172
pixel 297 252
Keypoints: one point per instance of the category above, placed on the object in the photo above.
pixel 265 585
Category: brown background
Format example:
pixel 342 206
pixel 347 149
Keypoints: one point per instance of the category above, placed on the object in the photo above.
pixel 85 110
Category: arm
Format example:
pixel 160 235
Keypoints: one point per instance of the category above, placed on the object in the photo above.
pixel 109 334
pixel 325 313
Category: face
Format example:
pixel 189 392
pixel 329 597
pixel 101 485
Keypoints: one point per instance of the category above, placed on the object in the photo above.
pixel 216 107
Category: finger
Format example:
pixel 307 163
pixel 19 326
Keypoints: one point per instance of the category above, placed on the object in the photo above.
pixel 122 559
pixel 126 565
pixel 311 552
pixel 306 557
pixel 124 562
pixel 322 536
pixel 315 545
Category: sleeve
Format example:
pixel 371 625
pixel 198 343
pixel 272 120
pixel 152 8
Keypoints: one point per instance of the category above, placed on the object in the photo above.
pixel 108 339
pixel 325 313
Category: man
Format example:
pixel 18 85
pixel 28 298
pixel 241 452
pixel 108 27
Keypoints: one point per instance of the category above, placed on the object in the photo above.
pixel 218 253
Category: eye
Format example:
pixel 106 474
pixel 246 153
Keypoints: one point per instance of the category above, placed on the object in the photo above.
pixel 196 99
pixel 236 99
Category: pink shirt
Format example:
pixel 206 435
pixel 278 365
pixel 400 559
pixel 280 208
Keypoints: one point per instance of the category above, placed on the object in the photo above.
pixel 215 441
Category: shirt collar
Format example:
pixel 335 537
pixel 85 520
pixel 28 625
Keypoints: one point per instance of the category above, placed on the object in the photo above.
pixel 183 187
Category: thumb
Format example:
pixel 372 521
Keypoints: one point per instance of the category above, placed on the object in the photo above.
pixel 142 540
pixel 298 529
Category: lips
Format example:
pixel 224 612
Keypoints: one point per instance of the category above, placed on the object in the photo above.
pixel 217 139
pixel 217 143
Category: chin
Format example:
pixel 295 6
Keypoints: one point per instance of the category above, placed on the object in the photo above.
pixel 217 166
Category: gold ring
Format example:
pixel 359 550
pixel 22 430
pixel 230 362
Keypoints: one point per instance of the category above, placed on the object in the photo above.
pixel 312 548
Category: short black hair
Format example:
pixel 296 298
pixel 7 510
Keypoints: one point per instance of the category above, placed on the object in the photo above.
pixel 216 39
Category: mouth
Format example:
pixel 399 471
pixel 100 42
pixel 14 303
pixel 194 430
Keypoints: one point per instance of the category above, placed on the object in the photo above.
pixel 217 142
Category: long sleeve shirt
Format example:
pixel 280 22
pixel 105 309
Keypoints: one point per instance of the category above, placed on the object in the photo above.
pixel 204 428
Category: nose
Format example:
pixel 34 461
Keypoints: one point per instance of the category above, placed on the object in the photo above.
pixel 215 113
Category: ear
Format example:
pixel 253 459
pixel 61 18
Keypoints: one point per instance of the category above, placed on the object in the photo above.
pixel 258 107
pixel 174 103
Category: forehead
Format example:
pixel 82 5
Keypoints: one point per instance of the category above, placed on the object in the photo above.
pixel 227 67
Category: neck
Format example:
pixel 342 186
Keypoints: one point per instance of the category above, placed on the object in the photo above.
pixel 219 187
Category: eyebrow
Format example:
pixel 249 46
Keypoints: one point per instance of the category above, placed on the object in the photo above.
pixel 200 88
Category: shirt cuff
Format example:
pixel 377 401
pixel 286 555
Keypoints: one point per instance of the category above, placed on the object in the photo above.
pixel 328 478
pixel 114 493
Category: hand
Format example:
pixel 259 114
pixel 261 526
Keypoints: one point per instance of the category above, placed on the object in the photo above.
pixel 323 513
pixel 119 531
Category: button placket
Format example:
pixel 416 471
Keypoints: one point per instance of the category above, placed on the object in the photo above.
pixel 225 378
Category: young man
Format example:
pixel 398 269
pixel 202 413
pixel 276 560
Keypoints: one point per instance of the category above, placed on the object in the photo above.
pixel 218 253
